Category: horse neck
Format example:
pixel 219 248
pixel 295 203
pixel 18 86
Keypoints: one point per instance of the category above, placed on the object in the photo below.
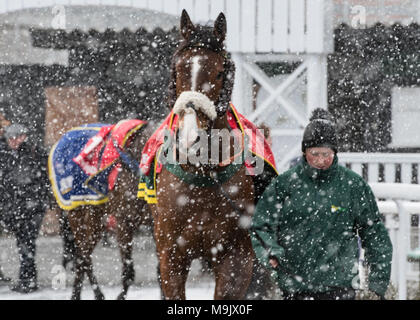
pixel 135 147
pixel 219 123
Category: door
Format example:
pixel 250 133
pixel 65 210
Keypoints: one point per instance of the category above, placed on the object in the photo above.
pixel 66 107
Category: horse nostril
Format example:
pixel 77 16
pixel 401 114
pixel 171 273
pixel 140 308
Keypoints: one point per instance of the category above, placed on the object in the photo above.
pixel 190 104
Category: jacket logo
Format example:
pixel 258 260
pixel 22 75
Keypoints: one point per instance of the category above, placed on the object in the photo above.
pixel 337 209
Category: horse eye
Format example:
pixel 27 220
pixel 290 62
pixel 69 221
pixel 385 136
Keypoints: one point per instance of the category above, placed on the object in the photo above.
pixel 219 76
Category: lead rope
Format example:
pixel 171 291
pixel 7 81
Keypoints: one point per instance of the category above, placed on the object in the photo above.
pixel 232 158
pixel 129 161
pixel 232 203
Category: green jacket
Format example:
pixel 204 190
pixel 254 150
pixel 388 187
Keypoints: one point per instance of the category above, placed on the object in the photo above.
pixel 309 220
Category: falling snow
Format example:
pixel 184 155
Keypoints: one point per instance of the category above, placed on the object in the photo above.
pixel 65 66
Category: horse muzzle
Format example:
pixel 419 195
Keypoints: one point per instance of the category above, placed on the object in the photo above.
pixel 197 101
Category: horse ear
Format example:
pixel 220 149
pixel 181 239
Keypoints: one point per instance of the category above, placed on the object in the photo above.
pixel 187 27
pixel 220 27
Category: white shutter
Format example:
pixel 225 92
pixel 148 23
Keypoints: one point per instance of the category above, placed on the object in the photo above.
pixel 233 25
pixel 247 33
pixel 297 25
pixel 280 27
pixel 264 25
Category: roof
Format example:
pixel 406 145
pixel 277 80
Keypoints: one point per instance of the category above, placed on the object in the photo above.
pixel 90 17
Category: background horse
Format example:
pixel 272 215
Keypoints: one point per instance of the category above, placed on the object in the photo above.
pixel 192 220
pixel 86 222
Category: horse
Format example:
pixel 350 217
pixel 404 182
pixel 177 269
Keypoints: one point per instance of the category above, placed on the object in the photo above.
pixel 86 221
pixel 211 221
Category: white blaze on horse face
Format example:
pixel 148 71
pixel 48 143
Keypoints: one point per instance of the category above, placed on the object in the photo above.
pixel 195 68
pixel 188 131
pixel 206 87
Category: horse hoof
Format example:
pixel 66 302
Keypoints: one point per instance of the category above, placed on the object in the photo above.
pixel 99 297
pixel 122 296
pixel 75 297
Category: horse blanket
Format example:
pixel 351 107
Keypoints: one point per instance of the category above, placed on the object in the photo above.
pixel 257 145
pixel 83 164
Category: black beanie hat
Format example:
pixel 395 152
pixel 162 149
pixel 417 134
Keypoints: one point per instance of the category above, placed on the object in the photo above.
pixel 320 132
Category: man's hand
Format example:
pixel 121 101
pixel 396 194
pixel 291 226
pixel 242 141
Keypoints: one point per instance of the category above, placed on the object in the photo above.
pixel 376 296
pixel 370 295
pixel 280 268
pixel 273 262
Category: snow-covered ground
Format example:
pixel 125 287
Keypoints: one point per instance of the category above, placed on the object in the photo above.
pixel 56 284
pixel 203 292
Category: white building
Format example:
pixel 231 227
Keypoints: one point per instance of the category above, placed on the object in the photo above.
pixel 298 32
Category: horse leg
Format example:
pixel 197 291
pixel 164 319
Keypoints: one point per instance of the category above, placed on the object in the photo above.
pixel 94 232
pixel 125 230
pixel 233 274
pixel 84 265
pixel 159 278
pixel 174 273
pixel 75 220
pixel 79 276
pixel 92 279
pixel 86 226
pixel 68 240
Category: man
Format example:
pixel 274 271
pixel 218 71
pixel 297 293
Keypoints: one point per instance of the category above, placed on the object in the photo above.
pixel 24 196
pixel 307 223
pixel 3 124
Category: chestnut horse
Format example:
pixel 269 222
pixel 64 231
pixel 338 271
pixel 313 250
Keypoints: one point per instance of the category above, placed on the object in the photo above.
pixel 191 220
pixel 86 222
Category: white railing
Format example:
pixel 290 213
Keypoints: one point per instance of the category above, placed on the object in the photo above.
pixel 254 26
pixel 396 201
pixel 384 167
pixel 402 200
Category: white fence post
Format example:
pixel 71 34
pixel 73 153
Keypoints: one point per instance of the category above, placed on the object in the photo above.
pixel 403 244
pixel 406 198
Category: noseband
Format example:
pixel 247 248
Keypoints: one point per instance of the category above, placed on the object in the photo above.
pixel 224 99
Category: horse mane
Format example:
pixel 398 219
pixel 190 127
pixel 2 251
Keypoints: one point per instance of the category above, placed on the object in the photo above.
pixel 204 37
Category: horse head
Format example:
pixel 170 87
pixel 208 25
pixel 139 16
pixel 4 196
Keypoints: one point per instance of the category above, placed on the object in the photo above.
pixel 202 76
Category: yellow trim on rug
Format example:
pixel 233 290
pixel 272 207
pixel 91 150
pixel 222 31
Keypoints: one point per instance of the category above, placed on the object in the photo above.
pixel 74 204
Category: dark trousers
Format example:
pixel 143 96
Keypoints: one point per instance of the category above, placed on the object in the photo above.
pixel 337 294
pixel 26 233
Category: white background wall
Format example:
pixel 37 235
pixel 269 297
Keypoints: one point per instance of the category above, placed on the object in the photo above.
pixel 385 11
pixel 405 117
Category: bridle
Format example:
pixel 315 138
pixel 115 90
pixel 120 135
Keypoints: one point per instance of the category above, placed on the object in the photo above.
pixel 221 106
pixel 224 97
